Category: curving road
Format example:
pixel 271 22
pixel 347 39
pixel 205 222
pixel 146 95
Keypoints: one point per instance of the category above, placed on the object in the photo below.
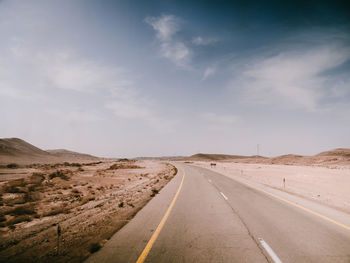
pixel 217 219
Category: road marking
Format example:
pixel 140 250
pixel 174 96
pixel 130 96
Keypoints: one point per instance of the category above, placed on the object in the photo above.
pixel 269 251
pixel 223 195
pixel 150 243
pixel 301 207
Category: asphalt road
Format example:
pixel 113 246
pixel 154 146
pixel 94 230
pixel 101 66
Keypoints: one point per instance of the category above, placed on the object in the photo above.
pixel 217 219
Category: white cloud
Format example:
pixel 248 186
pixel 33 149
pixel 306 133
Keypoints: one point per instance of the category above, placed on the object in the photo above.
pixel 166 27
pixel 208 72
pixel 200 41
pixel 46 71
pixel 291 78
pixel 62 69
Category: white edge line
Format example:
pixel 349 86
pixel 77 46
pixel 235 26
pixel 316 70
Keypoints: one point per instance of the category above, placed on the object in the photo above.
pixel 269 251
pixel 223 195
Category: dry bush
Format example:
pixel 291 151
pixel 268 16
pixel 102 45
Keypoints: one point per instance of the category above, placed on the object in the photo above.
pixel 60 209
pixel 15 186
pixel 95 247
pixel 117 166
pixel 19 219
pixel 84 201
pixel 75 191
pixel 61 174
pixel 27 209
pixel 32 196
pixel 12 166
pixel 2 218
pixel 37 178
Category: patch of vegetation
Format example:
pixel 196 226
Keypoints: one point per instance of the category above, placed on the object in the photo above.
pixel 121 204
pixel 95 247
pixel 37 178
pixel 2 218
pixel 57 210
pixel 72 164
pixel 19 219
pixel 92 164
pixel 154 192
pixel 117 166
pixel 61 174
pixel 12 166
pixel 27 209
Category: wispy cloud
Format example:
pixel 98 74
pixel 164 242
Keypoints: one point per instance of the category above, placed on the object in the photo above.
pixel 46 71
pixel 172 48
pixel 58 69
pixel 208 72
pixel 201 41
pixel 292 78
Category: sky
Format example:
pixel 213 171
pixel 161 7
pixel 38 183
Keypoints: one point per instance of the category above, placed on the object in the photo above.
pixel 160 78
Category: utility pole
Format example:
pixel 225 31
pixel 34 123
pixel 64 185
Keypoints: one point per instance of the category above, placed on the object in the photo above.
pixel 257 149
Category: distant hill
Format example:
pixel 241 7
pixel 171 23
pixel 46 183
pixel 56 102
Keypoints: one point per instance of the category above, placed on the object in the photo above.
pixel 18 147
pixel 62 153
pixel 340 156
pixel 340 152
pixel 15 150
pixel 215 157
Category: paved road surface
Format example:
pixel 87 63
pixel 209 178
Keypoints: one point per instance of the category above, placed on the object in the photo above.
pixel 217 219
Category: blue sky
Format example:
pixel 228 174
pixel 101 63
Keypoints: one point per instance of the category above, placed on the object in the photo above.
pixel 151 78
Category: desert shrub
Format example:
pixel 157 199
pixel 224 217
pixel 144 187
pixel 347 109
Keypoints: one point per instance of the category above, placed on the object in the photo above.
pixel 57 210
pixel 84 201
pixel 61 174
pixel 32 196
pixel 19 219
pixel 155 191
pixel 124 160
pixel 121 204
pixel 75 191
pixel 27 209
pixel 15 186
pixel 117 166
pixel 95 247
pixel 2 218
pixel 37 178
pixel 12 166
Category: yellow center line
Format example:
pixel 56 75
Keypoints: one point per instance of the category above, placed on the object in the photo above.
pixel 150 243
pixel 301 207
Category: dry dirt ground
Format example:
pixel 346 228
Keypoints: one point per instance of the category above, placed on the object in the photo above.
pixel 89 202
pixel 330 186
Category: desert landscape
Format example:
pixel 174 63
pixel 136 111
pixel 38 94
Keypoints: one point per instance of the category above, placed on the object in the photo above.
pixel 324 177
pixel 88 198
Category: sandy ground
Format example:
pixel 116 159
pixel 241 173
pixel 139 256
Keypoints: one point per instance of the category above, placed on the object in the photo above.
pixel 89 202
pixel 330 186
